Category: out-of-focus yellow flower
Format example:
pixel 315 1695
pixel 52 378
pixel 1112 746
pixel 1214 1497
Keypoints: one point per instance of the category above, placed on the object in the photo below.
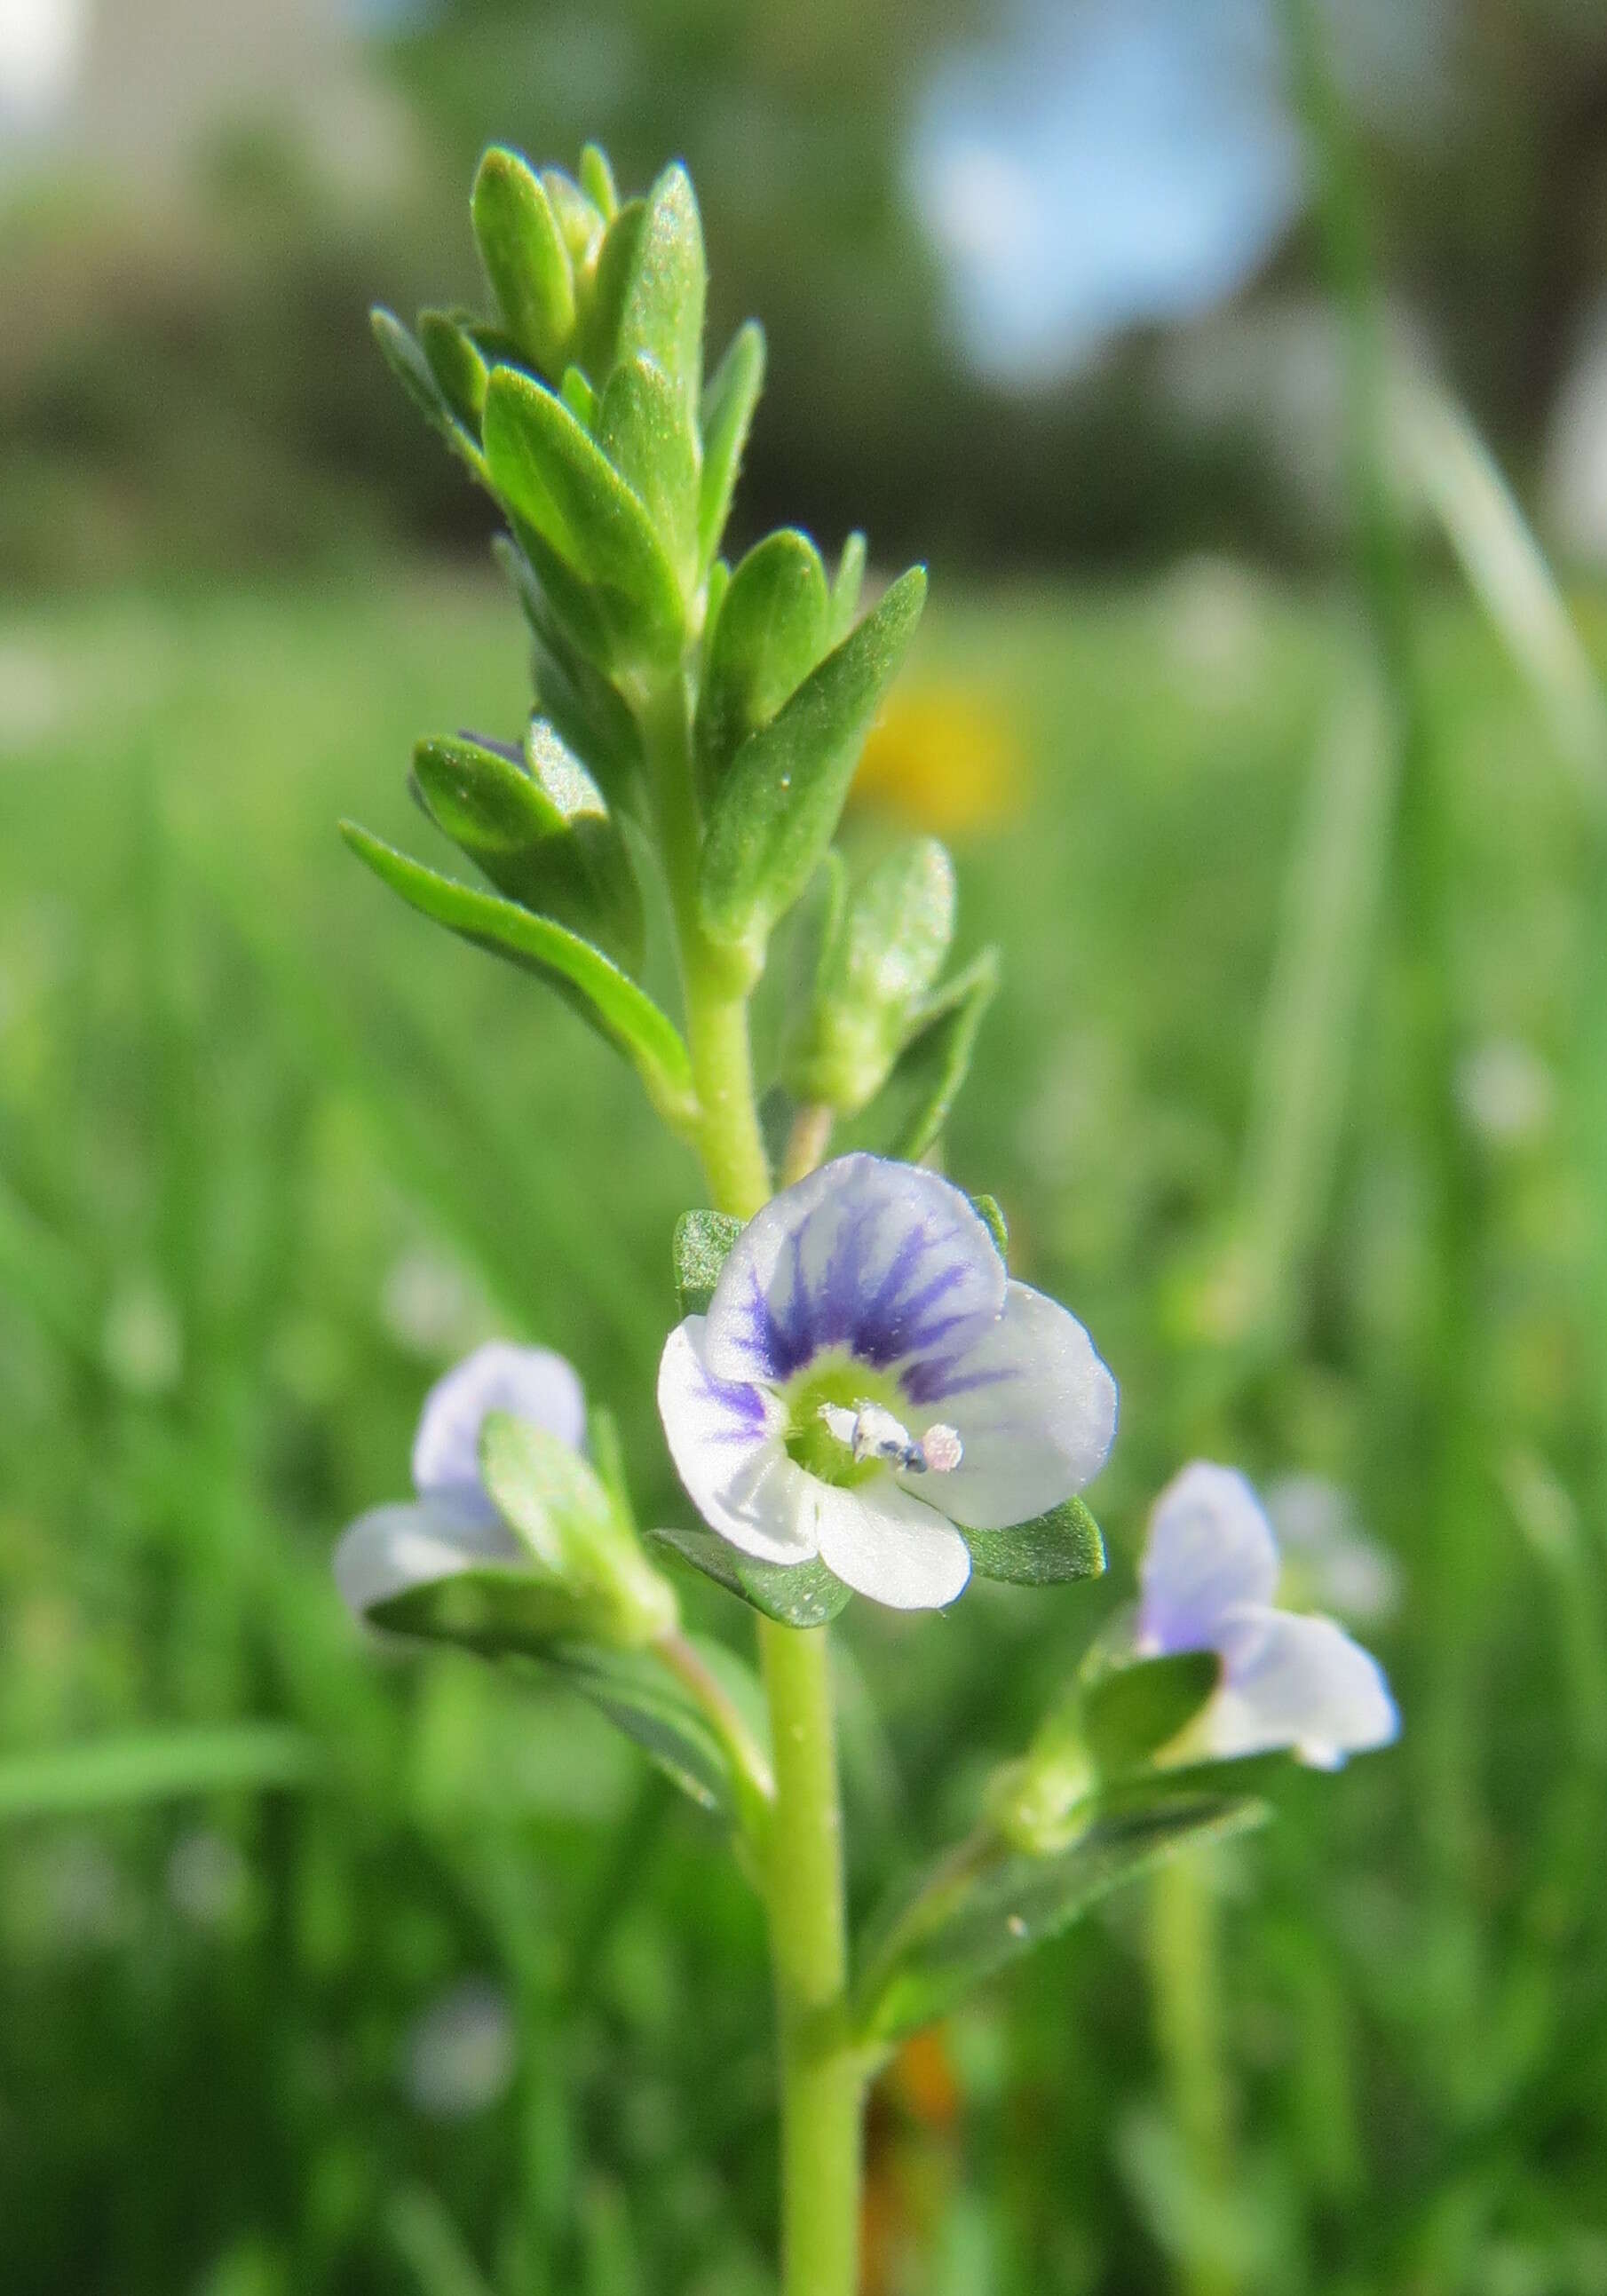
pixel 945 758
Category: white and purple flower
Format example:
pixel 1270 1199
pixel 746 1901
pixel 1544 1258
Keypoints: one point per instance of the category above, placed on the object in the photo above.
pixel 452 1526
pixel 867 1378
pixel 1209 1576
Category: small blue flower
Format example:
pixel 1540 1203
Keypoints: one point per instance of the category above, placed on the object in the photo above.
pixel 867 1378
pixel 452 1525
pixel 1209 1576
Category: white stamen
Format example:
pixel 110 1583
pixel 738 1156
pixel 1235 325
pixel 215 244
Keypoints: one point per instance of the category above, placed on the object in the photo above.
pixel 871 1433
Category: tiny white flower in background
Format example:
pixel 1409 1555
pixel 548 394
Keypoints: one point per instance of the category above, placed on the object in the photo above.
pixel 1208 1578
pixel 1330 1564
pixel 460 2055
pixel 1506 1092
pixel 452 1525
pixel 868 1377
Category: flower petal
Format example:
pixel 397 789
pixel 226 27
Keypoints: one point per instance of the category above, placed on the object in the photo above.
pixel 413 1544
pixel 1035 1408
pixel 884 1261
pixel 531 1383
pixel 1209 1548
pixel 884 1544
pixel 1297 1682
pixel 725 1437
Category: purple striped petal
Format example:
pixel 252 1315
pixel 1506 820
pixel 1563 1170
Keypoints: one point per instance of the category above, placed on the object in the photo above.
pixel 1034 1407
pixel 726 1437
pixel 532 1384
pixel 884 1262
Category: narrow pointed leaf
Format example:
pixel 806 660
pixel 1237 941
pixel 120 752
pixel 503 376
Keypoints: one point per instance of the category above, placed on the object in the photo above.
pixel 779 803
pixel 598 334
pixel 641 1698
pixel 846 586
pixel 909 1112
pixel 1128 1713
pixel 525 258
pixel 580 221
pixel 890 940
pixel 559 481
pixel 407 361
pixel 726 416
pixel 799 1595
pixel 1049 1551
pixel 662 307
pixel 992 1213
pixel 587 712
pixel 593 986
pixel 646 429
pixel 597 181
pixel 771 632
pixel 458 365
pixel 702 1240
pixel 976 1919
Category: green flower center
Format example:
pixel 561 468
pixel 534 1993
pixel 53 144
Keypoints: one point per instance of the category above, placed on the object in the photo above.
pixel 848 1386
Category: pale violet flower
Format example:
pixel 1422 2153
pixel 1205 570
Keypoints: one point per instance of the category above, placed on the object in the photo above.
pixel 1209 1576
pixel 451 1526
pixel 868 1377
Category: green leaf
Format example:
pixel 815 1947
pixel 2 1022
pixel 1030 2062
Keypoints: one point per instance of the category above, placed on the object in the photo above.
pixel 580 398
pixel 702 1240
pixel 1128 1713
pixel 456 361
pixel 976 1917
pixel 597 181
pixel 587 980
pixel 588 714
pixel 771 632
pixel 662 289
pixel 156 1764
pixel 525 257
pixel 799 1595
pixel 887 946
pixel 646 429
pixel 726 416
pixel 1049 1551
pixel 990 1210
pixel 604 300
pixel 846 586
pixel 777 808
pixel 414 371
pixel 910 1111
pixel 559 481
pixel 496 1609
pixel 580 224
pixel 632 1688
pixel 543 836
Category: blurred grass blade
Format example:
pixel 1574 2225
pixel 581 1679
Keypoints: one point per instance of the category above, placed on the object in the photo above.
pixel 430 2245
pixel 153 1766
pixel 1449 466
pixel 1303 1059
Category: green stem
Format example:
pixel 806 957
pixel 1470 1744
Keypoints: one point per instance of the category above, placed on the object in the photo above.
pixel 822 2076
pixel 1185 1970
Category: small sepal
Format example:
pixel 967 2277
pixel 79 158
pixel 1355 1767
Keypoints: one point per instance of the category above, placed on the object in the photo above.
pixel 702 1240
pixel 799 1595
pixel 777 808
pixel 1130 1715
pixel 1050 1551
pixel 884 948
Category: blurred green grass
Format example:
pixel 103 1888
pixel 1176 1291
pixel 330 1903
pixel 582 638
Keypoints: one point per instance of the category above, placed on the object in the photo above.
pixel 271 1152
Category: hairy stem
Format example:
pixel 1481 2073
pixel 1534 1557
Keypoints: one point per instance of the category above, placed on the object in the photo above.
pixel 822 2076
